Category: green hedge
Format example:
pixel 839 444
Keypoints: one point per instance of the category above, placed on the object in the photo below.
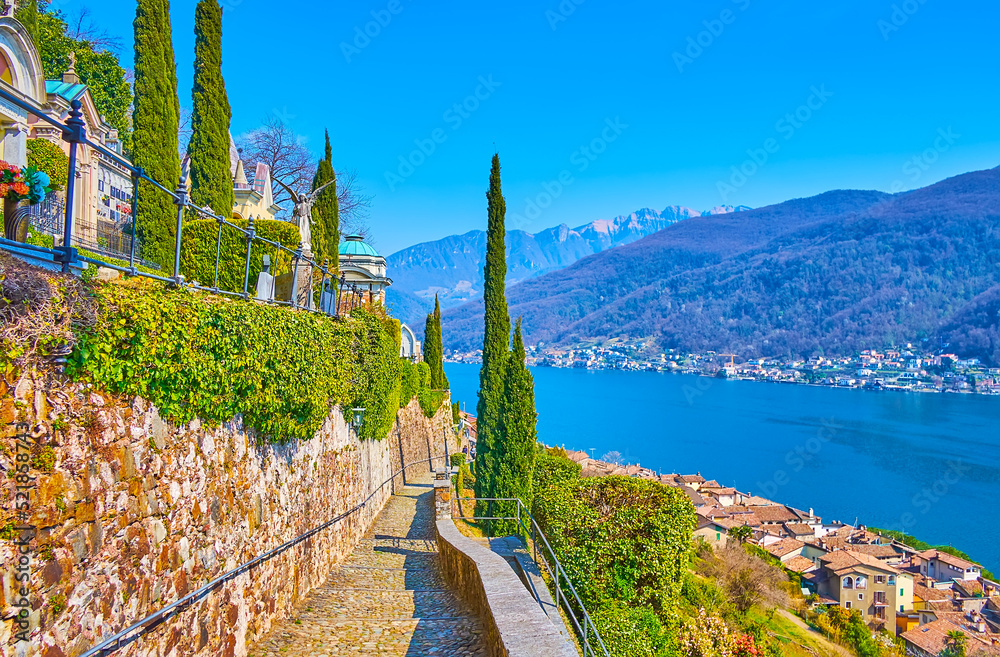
pixel 48 157
pixel 622 540
pixel 198 245
pixel 199 355
pixel 416 378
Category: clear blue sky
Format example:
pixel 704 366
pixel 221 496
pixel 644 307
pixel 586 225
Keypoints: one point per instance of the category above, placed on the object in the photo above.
pixel 898 80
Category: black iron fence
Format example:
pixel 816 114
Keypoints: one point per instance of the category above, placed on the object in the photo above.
pixel 313 286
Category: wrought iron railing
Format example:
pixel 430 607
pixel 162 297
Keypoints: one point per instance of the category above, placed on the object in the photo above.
pixel 590 641
pixel 153 621
pixel 68 256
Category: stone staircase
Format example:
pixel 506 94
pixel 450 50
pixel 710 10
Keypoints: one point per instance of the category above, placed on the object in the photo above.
pixel 387 598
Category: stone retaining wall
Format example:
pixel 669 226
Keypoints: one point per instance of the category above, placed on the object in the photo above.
pixel 515 626
pixel 130 513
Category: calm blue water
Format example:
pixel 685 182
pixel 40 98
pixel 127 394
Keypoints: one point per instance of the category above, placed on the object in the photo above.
pixel 928 464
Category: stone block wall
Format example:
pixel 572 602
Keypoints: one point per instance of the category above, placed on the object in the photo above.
pixel 129 513
pixel 515 625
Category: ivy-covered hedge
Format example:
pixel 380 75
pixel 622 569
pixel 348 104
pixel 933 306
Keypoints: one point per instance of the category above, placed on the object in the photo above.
pixel 416 379
pixel 198 245
pixel 195 354
pixel 48 157
pixel 625 544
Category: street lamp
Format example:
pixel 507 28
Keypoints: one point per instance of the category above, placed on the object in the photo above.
pixel 358 418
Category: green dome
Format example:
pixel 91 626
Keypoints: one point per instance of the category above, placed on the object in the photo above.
pixel 354 245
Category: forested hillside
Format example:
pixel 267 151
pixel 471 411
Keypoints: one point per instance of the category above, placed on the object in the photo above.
pixel 838 272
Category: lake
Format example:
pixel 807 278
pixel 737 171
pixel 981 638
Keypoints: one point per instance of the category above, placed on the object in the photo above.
pixel 927 464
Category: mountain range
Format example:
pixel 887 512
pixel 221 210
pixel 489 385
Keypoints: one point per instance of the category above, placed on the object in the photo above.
pixel 831 274
pixel 452 267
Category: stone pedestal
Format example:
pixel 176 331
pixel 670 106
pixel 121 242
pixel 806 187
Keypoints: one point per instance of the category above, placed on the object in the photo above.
pixel 442 498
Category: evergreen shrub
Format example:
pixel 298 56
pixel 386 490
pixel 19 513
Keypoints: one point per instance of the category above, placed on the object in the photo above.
pixel 198 244
pixel 199 355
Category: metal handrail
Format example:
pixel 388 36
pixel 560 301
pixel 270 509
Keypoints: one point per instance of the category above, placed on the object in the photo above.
pixel 583 632
pixel 74 132
pixel 154 620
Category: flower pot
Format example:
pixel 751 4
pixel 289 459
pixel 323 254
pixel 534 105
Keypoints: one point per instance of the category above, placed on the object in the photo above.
pixel 13 228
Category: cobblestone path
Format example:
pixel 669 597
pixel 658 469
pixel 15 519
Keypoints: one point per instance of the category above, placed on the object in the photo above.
pixel 387 598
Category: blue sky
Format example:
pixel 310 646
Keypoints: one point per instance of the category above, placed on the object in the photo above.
pixel 599 108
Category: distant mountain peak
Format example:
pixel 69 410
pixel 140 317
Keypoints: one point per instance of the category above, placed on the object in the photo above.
pixel 452 267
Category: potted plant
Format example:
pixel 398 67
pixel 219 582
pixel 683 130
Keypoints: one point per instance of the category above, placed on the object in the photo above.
pixel 17 185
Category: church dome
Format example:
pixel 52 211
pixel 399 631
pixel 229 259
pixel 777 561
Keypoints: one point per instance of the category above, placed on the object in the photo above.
pixel 354 245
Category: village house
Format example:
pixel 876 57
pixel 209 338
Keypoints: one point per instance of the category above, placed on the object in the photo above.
pixel 943 566
pixel 860 582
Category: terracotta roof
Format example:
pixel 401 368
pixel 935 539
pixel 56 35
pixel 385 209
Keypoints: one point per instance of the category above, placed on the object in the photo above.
pixel 928 593
pixel 799 564
pixel 799 529
pixel 775 513
pixel 969 589
pixel 692 479
pixel 717 490
pixel 932 638
pixel 877 551
pixel 784 546
pixel 949 559
pixel 712 483
pixel 842 560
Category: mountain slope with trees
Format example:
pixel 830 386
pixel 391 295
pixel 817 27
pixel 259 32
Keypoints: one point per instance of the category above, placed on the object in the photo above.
pixel 831 274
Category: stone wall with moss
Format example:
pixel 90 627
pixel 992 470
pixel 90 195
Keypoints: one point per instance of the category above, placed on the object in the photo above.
pixel 130 512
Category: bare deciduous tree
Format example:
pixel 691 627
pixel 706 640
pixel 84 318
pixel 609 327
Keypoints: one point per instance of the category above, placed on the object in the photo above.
pixel 276 145
pixel 353 204
pixel 82 27
pixel 747 579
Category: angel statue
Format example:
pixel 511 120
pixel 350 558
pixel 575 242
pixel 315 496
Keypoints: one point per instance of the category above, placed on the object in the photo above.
pixel 303 212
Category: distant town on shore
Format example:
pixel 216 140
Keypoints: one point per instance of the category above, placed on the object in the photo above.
pixel 904 369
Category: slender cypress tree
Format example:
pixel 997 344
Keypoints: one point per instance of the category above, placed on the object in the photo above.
pixel 27 14
pixel 326 212
pixel 495 340
pixel 432 349
pixel 516 463
pixel 155 119
pixel 211 182
pixel 442 380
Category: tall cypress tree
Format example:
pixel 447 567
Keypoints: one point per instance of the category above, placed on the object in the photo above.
pixel 27 14
pixel 155 117
pixel 516 462
pixel 432 349
pixel 211 182
pixel 326 212
pixel 495 339
pixel 442 380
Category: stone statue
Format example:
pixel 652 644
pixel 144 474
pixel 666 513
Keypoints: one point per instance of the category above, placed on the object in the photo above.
pixel 303 212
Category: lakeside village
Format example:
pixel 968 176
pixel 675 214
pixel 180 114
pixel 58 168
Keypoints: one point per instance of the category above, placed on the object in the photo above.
pixel 904 369
pixel 923 596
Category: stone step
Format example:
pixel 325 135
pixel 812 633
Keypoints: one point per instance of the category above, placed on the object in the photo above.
pixel 343 604
pixel 452 637
pixel 393 580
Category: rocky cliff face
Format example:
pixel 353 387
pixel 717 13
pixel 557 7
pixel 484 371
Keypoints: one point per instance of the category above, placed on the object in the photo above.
pixel 128 513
